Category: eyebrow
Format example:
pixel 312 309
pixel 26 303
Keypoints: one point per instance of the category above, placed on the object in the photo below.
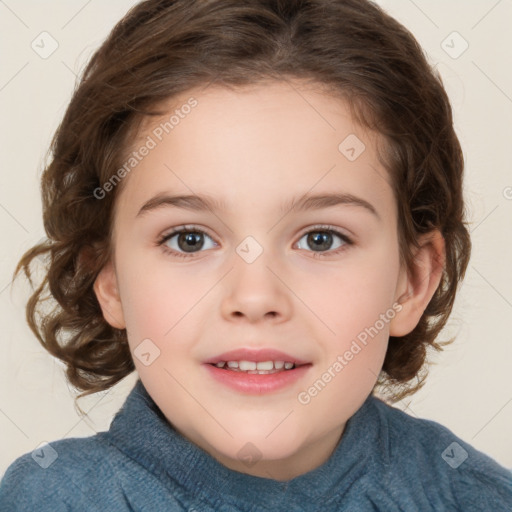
pixel 303 203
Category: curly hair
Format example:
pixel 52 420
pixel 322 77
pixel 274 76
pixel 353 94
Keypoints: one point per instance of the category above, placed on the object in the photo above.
pixel 162 48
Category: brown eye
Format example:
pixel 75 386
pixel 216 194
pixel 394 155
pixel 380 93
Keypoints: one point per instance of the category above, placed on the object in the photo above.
pixel 324 240
pixel 321 240
pixel 185 242
pixel 191 241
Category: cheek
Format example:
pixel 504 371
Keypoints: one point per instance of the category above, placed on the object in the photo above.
pixel 159 298
pixel 152 309
pixel 355 312
pixel 352 296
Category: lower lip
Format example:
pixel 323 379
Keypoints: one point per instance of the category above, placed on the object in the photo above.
pixel 254 383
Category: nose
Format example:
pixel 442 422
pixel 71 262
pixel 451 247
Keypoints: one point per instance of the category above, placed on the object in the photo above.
pixel 255 292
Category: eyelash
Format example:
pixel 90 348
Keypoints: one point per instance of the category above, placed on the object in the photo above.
pixel 317 229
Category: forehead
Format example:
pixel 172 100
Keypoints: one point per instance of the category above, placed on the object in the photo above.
pixel 257 144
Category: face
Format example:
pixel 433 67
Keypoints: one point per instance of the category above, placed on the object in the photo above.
pixel 262 269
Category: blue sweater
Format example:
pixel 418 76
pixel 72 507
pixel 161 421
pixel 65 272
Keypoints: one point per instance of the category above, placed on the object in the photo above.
pixel 386 461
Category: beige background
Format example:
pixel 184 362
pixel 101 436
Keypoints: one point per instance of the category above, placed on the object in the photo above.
pixel 470 387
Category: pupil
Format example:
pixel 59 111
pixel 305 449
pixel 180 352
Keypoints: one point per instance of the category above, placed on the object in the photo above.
pixel 191 241
pixel 320 240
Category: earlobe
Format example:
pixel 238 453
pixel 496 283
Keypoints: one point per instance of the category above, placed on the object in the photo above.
pixel 107 293
pixel 417 286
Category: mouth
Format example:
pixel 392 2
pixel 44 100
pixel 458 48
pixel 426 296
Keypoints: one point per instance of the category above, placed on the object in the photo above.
pixel 256 361
pixel 256 371
pixel 257 368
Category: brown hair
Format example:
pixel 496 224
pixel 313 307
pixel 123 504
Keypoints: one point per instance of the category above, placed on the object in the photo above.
pixel 162 48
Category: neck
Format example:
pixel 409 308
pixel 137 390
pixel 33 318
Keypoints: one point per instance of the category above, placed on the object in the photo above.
pixel 303 461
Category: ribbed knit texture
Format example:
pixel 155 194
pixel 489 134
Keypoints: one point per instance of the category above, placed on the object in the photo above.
pixel 385 461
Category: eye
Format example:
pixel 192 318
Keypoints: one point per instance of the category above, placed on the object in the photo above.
pixel 321 240
pixel 185 241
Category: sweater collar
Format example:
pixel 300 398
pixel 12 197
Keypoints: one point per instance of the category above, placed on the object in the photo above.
pixel 142 432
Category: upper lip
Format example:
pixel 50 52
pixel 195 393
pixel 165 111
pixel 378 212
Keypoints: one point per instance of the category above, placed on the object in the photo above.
pixel 256 355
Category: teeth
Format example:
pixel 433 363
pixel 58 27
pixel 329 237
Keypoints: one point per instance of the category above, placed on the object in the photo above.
pixel 246 365
pixel 265 365
pixel 261 367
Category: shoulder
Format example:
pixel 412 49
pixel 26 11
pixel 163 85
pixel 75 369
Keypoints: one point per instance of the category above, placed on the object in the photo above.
pixel 433 455
pixel 58 476
pixel 87 473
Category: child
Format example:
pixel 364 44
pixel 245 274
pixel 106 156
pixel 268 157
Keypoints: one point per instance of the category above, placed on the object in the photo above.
pixel 307 148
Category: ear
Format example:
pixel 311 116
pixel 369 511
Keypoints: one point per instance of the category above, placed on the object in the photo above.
pixel 107 293
pixel 416 286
